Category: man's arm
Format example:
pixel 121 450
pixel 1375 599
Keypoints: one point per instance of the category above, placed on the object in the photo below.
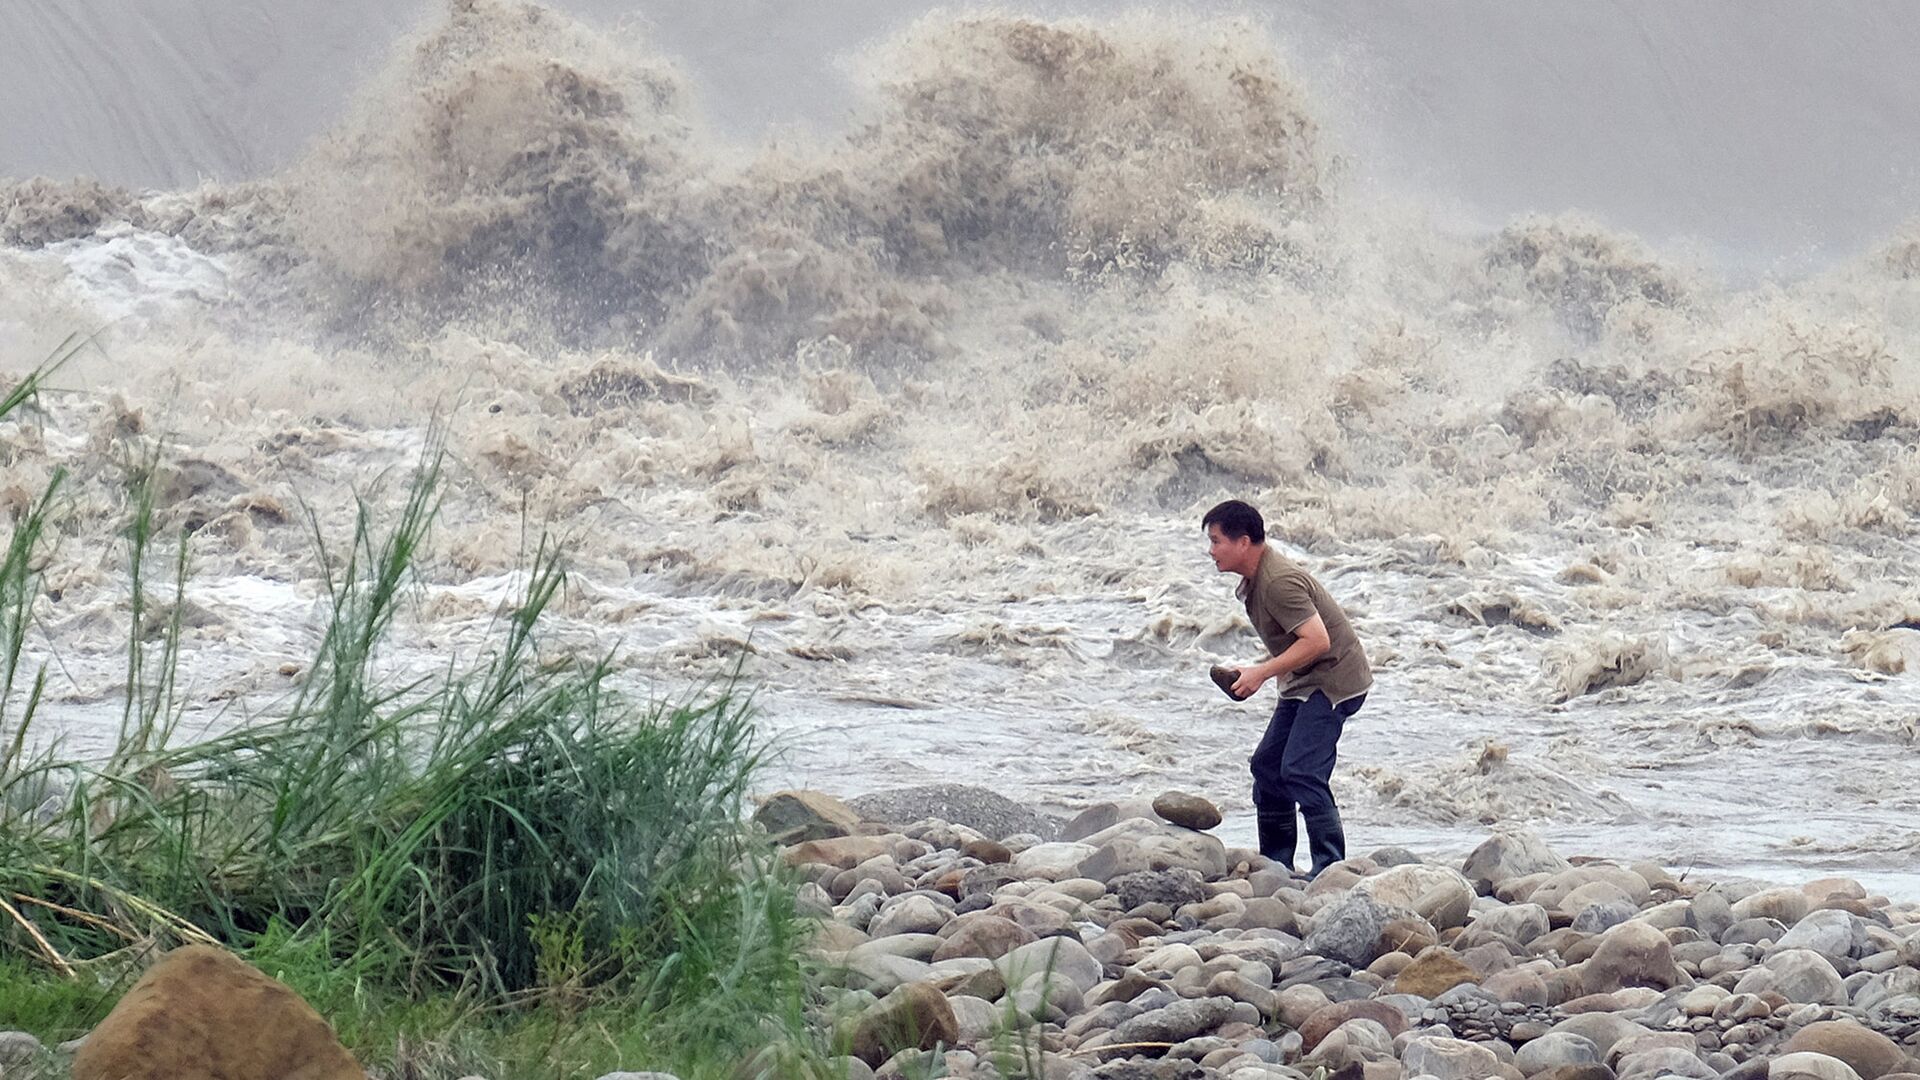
pixel 1310 644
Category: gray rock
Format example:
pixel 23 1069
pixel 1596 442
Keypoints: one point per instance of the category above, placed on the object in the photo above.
pixel 1103 816
pixel 1066 956
pixel 849 1068
pixel 882 974
pixel 1809 1066
pixel 1663 1062
pixel 978 1018
pixel 1139 844
pixel 1393 856
pixel 1040 994
pixel 1053 861
pixel 18 1048
pixel 1836 935
pixel 1177 1022
pixel 1799 975
pixel 1448 1059
pixel 1555 1049
pixel 1712 913
pixel 1518 923
pixel 1605 915
pixel 1170 887
pixel 909 915
pixel 986 812
pixel 1348 930
pixel 1604 1030
pixel 1753 931
pixel 1510 853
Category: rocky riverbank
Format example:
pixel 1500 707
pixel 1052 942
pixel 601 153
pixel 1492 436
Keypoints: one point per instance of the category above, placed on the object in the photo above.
pixel 1125 945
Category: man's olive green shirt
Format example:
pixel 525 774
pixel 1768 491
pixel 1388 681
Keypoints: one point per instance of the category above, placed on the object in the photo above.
pixel 1280 597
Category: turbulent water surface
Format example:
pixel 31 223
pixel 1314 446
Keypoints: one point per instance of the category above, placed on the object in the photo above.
pixel 912 423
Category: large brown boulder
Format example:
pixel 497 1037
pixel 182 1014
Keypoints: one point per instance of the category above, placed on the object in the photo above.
pixel 793 817
pixel 1632 954
pixel 1324 1019
pixel 1186 810
pixel 202 1013
pixel 916 1015
pixel 1868 1052
pixel 844 852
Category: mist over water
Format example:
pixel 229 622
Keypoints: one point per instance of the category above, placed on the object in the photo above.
pixel 912 419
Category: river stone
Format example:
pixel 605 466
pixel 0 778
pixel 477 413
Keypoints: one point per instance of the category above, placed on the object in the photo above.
pixel 794 816
pixel 1268 913
pixel 1177 1022
pixel 844 852
pixel 1449 1059
pixel 1786 906
pixel 883 973
pixel 1819 890
pixel 1043 992
pixel 201 1011
pixel 1604 1029
pixel 1712 913
pixel 913 914
pixel 1103 816
pixel 1575 1072
pixel 1348 930
pixel 1435 893
pixel 1328 1017
pixel 982 934
pixel 1553 1050
pixel 1632 954
pixel 915 1016
pixel 1810 1066
pixel 1509 853
pixel 1187 811
pixel 1663 1062
pixel 1866 1051
pixel 1369 1039
pixel 1295 1005
pixel 1173 888
pixel 18 1048
pixel 1799 975
pixel 1434 972
pixel 1517 985
pixel 1064 955
pixel 1836 935
pixel 1553 893
pixel 1408 934
pixel 1518 923
pixel 1051 861
pixel 1138 844
pixel 986 812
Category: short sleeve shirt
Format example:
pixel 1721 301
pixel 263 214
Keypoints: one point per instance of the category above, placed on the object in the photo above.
pixel 1280 597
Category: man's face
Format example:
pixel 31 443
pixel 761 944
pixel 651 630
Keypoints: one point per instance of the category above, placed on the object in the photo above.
pixel 1229 552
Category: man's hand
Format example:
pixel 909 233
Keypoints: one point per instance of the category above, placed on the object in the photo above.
pixel 1252 678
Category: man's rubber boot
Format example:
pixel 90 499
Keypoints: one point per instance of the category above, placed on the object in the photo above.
pixel 1326 841
pixel 1279 834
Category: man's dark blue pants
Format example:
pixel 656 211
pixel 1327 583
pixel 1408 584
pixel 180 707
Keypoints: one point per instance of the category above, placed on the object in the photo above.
pixel 1291 767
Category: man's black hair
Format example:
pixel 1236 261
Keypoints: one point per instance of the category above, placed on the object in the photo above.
pixel 1237 519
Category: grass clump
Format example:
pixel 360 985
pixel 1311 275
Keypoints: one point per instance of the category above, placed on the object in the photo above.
pixel 503 866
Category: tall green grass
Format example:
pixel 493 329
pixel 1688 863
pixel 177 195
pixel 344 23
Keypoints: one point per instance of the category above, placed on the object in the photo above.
pixel 506 847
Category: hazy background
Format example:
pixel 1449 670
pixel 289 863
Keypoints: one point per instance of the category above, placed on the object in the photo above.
pixel 1770 135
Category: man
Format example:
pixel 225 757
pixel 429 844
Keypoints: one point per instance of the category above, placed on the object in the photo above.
pixel 1323 677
